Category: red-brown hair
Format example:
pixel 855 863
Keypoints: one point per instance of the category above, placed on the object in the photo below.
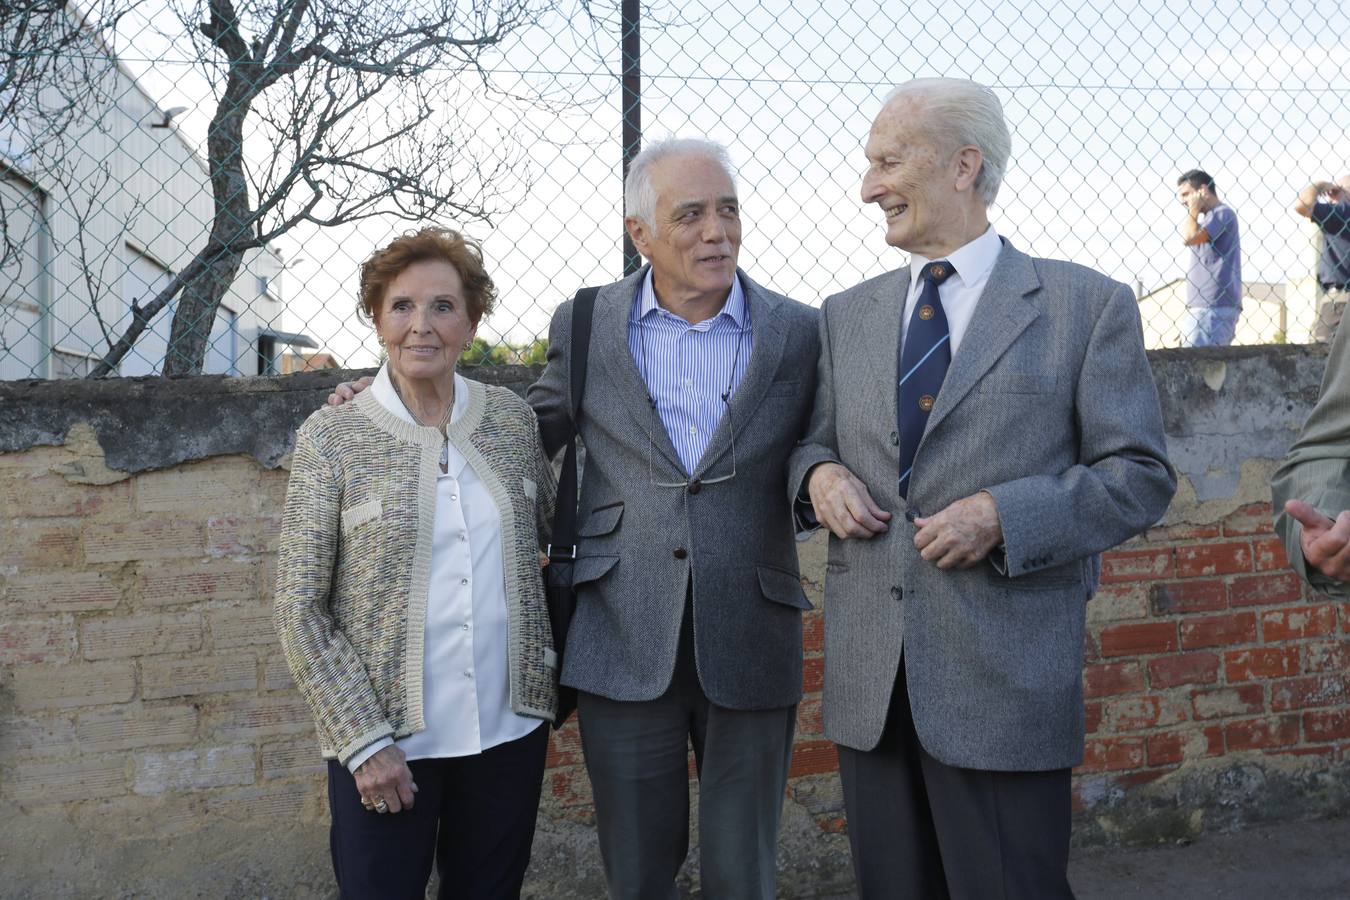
pixel 431 243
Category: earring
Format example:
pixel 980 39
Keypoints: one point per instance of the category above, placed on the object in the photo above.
pixel 468 344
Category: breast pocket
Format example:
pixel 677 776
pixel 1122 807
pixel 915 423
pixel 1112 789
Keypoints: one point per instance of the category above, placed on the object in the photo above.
pixel 1018 383
pixel 359 514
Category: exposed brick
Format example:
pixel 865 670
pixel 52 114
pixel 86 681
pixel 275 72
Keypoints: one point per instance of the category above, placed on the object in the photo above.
pixel 1296 622
pixel 196 769
pixel 813 758
pixel 45 640
pixel 234 536
pixel 1135 713
pixel 57 781
pixel 810 717
pixel 143 539
pixel 1326 725
pixel 1262 590
pixel 1217 631
pixel 1268 554
pixel 1136 639
pixel 277 674
pixel 1188 668
pixel 1260 663
pixel 1345 618
pixel 38 732
pixel 564 747
pixel 293 759
pixel 813 674
pixel 247 718
pixel 813 633
pixel 1112 754
pixel 267 579
pixel 280 801
pixel 131 727
pixel 198 675
pixel 1214 559
pixel 48 496
pixel 242 628
pixel 1254 518
pixel 1312 690
pixel 140 636
pixel 1112 678
pixel 1090 652
pixel 1092 716
pixel 204 581
pixel 1258 734
pixel 40 544
pixel 64 591
pixel 1326 656
pixel 191 489
pixel 1218 703
pixel 157 818
pixel 1117 602
pixel 75 684
pixel 1136 565
pixel 1171 747
pixel 1187 596
pixel 1166 534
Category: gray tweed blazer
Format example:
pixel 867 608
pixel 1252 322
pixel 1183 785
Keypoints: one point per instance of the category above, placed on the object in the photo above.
pixel 642 547
pixel 1050 406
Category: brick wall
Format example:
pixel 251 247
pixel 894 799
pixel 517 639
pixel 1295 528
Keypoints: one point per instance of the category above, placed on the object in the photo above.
pixel 150 735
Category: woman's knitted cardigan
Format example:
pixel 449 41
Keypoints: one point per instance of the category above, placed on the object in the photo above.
pixel 354 566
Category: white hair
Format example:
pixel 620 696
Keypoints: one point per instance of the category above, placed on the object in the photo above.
pixel 639 194
pixel 961 113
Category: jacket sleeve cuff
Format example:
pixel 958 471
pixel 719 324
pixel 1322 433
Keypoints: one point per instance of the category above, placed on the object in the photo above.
pixel 362 741
pixel 361 756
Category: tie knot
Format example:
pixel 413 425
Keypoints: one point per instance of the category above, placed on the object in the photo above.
pixel 938 272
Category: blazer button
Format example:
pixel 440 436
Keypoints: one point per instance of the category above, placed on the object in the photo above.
pixel 695 486
pixel 681 553
pixel 895 439
pixel 896 593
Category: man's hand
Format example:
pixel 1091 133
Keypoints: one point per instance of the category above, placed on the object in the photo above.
pixel 386 777
pixel 842 503
pixel 962 534
pixel 1326 543
pixel 348 390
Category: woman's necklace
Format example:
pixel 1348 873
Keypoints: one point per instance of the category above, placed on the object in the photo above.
pixel 442 427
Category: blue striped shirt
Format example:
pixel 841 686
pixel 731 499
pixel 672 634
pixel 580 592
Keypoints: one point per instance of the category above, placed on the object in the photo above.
pixel 687 367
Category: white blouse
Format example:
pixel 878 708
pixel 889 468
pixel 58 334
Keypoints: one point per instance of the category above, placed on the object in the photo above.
pixel 466 697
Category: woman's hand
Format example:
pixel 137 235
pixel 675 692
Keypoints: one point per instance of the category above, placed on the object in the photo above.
pixel 386 776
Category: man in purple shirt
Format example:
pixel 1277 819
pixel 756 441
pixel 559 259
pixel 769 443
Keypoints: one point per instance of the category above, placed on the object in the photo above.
pixel 1214 274
pixel 1328 205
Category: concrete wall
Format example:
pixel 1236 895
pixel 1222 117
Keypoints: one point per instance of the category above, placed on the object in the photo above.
pixel 151 740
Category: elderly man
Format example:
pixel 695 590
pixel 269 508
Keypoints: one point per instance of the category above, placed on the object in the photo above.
pixel 965 527
pixel 1327 204
pixel 688 621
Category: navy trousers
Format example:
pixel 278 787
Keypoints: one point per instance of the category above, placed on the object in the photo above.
pixel 473 815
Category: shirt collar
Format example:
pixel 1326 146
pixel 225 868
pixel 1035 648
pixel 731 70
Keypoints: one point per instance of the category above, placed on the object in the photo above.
pixel 972 261
pixel 734 307
pixel 384 392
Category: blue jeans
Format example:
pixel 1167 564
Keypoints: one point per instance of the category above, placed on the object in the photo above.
pixel 1202 327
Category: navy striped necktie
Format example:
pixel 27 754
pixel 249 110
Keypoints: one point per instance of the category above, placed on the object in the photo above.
pixel 926 352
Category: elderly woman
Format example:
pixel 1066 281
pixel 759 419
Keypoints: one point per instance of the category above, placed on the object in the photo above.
pixel 409 598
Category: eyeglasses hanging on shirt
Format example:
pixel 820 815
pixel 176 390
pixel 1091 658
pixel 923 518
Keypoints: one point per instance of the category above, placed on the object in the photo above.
pixel 726 403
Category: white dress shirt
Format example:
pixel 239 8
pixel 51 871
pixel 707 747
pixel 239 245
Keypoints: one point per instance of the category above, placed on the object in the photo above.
pixel 466 691
pixel 959 293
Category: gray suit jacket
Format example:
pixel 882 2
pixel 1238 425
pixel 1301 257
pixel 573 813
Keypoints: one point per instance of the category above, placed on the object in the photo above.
pixel 1049 405
pixel 640 545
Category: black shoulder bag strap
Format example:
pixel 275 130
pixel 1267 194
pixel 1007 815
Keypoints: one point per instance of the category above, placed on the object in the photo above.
pixel 562 550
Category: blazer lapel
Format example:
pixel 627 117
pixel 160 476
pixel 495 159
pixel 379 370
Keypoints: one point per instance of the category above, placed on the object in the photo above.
pixel 769 341
pixel 1001 314
pixel 613 308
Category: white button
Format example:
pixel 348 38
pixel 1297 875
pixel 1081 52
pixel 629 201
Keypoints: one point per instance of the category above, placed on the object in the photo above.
pixel 688 382
pixel 468 673
pixel 465 626
pixel 464 581
pixel 463 535
pixel 454 496
pixel 693 429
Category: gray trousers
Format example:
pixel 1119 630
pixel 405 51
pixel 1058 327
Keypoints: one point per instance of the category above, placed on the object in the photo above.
pixel 637 758
pixel 1330 309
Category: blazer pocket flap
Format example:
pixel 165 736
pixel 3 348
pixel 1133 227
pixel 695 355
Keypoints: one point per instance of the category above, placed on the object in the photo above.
pixel 1018 383
pixel 591 568
pixel 360 513
pixel 601 521
pixel 782 587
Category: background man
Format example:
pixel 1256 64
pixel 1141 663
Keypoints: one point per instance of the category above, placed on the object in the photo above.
pixel 1328 205
pixel 688 621
pixel 1214 275
pixel 966 527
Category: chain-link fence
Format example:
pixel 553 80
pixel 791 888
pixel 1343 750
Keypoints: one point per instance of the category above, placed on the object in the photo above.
pixel 119 180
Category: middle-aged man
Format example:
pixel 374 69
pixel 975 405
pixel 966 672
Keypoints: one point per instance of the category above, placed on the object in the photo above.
pixel 688 620
pixel 1327 204
pixel 985 425
pixel 1311 488
pixel 1214 275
